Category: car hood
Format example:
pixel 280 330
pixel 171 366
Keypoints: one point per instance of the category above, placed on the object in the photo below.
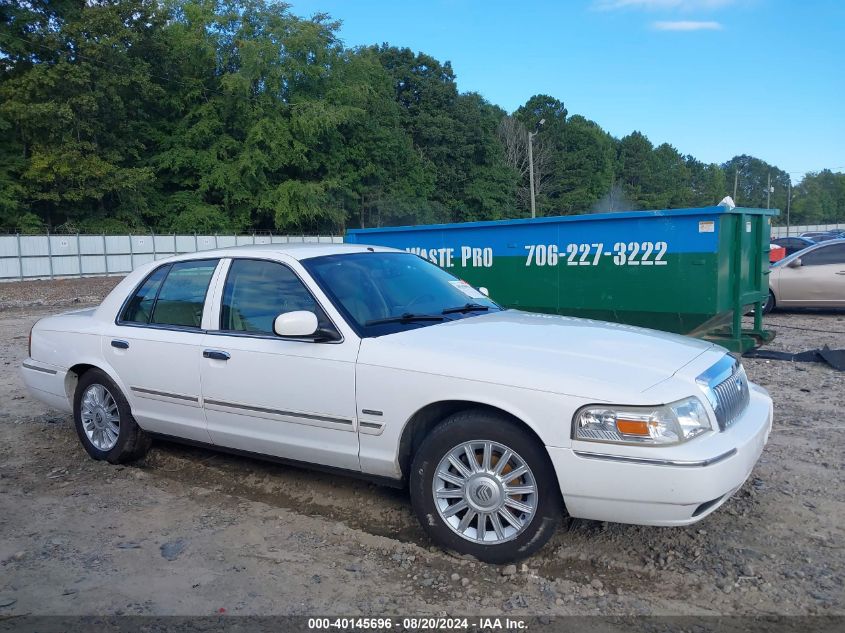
pixel 582 357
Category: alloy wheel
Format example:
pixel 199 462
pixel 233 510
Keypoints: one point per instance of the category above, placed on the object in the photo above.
pixel 485 492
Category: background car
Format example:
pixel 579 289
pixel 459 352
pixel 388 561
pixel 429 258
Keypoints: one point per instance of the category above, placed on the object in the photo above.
pixel 820 236
pixel 793 244
pixel 811 278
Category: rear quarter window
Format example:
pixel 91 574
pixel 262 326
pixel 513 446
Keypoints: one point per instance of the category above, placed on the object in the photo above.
pixel 139 308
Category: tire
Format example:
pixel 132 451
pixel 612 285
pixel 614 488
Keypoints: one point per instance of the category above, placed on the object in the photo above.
pixel 770 303
pixel 482 492
pixel 112 433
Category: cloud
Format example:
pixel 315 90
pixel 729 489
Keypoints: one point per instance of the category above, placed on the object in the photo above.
pixel 687 25
pixel 662 5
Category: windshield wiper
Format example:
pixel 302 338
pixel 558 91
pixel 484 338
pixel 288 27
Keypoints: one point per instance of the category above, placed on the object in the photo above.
pixel 406 318
pixel 467 307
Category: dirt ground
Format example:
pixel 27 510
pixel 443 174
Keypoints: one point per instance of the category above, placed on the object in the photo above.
pixel 194 532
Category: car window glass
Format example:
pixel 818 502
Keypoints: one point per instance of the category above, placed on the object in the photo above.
pixel 376 286
pixel 833 254
pixel 256 292
pixel 182 294
pixel 140 306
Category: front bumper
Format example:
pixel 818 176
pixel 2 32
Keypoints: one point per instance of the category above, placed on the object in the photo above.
pixel 676 485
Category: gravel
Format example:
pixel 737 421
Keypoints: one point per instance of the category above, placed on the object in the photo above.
pixel 70 292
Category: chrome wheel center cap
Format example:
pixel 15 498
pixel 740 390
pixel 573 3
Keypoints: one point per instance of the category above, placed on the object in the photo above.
pixel 484 493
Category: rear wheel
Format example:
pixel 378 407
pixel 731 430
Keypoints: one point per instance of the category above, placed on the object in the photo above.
pixel 481 485
pixel 104 421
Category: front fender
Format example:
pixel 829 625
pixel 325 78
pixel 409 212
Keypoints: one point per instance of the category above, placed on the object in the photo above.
pixel 392 398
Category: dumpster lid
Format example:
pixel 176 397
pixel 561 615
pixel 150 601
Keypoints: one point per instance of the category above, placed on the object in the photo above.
pixel 586 217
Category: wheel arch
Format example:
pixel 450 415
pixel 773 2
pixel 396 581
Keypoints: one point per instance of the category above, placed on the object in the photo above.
pixel 427 418
pixel 75 372
pixel 774 299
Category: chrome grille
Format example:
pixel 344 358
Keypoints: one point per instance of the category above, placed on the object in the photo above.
pixel 731 397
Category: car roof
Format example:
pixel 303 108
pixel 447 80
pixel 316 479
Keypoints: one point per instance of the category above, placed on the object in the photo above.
pixel 298 251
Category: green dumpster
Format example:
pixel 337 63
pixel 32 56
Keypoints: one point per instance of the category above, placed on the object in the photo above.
pixel 690 271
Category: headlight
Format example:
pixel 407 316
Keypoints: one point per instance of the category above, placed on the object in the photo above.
pixel 663 424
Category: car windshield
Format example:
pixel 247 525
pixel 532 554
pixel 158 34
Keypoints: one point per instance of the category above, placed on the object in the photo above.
pixel 380 293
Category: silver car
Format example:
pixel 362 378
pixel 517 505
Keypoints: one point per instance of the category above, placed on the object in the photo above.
pixel 811 278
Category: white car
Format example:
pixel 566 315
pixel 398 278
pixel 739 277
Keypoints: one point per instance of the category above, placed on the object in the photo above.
pixel 376 362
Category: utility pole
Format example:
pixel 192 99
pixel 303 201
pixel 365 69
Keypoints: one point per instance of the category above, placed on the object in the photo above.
pixel 768 189
pixel 736 182
pixel 788 204
pixel 531 172
pixel 531 136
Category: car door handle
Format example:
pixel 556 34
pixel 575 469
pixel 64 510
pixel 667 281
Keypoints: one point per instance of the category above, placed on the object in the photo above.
pixel 120 344
pixel 216 354
pixel 841 272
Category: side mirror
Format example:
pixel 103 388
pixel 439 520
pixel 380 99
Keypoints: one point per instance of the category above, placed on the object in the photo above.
pixel 298 323
pixel 795 263
pixel 484 291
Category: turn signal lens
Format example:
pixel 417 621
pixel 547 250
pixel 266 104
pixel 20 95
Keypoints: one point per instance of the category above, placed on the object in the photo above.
pixel 632 427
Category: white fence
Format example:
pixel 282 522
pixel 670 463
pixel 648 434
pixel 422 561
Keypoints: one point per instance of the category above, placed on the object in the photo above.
pixel 781 231
pixel 53 256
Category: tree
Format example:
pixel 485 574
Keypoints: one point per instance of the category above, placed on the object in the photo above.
pixel 584 168
pixel 513 136
pixel 707 183
pixel 753 177
pixel 637 169
pixel 224 115
pixel 75 90
pixel 819 199
pixel 550 142
pixel 455 136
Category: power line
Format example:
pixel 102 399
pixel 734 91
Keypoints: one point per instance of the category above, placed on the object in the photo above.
pixel 814 171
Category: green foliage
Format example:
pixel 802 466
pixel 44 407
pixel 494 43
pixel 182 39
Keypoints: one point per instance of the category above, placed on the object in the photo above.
pixel 584 168
pixel 819 199
pixel 752 177
pixel 218 116
pixel 707 182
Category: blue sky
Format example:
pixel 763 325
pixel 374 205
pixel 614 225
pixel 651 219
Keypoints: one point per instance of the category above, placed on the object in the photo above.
pixel 714 78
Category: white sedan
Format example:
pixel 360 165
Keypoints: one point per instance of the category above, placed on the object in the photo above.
pixel 373 361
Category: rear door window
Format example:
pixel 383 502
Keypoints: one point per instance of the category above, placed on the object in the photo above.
pixel 182 295
pixel 172 295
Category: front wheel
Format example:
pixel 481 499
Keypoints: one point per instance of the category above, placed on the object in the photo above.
pixel 482 485
pixel 770 303
pixel 104 422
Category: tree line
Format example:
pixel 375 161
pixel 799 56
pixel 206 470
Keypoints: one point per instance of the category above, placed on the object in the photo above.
pixel 213 116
